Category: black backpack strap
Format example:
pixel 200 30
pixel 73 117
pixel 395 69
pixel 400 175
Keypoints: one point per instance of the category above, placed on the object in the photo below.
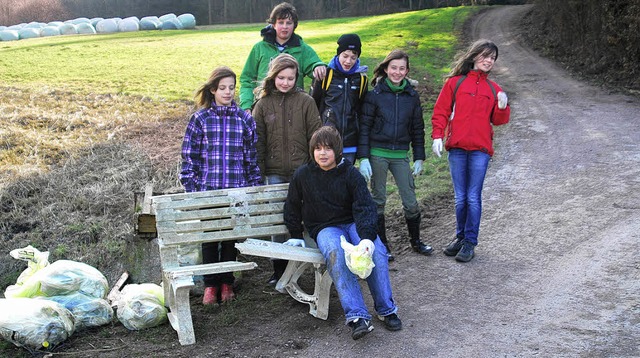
pixel 455 90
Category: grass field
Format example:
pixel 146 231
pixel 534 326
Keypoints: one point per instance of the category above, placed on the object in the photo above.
pixel 169 65
pixel 87 120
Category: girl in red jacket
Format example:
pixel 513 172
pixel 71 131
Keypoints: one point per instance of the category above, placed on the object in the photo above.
pixel 467 107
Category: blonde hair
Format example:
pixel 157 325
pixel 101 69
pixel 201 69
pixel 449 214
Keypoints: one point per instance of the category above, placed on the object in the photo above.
pixel 281 62
pixel 203 96
pixel 463 62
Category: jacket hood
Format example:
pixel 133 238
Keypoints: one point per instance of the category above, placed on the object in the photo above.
pixel 268 34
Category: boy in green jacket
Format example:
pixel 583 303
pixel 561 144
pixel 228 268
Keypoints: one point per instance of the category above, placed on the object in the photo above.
pixel 278 37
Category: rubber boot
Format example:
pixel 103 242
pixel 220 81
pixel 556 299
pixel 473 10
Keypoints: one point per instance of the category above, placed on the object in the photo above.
pixel 210 296
pixel 278 269
pixel 382 233
pixel 226 293
pixel 414 233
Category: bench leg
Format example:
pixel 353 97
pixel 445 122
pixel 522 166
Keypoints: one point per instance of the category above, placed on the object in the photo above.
pixel 180 308
pixel 318 301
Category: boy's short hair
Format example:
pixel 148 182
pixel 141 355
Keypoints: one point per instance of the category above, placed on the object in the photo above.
pixel 284 10
pixel 326 136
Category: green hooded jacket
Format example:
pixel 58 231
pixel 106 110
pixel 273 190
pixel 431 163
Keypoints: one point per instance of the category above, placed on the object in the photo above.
pixel 257 64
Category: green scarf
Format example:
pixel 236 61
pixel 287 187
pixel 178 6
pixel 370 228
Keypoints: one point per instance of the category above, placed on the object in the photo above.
pixel 395 88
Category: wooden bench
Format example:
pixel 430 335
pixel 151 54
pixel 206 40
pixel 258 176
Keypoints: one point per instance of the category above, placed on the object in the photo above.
pixel 230 214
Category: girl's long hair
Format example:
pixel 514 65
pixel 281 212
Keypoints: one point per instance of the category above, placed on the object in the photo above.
pixel 463 62
pixel 203 96
pixel 379 72
pixel 281 62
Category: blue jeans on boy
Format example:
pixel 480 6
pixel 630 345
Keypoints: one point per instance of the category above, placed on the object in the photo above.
pixel 468 169
pixel 347 283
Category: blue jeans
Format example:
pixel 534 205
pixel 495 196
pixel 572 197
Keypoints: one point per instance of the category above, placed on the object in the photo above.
pixel 468 169
pixel 347 283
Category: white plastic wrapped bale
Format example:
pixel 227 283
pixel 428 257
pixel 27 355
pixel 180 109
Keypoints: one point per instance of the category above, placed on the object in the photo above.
pixel 129 24
pixel 107 26
pixel 9 35
pixel 55 23
pixel 35 25
pixel 68 29
pixel 49 31
pixel 17 27
pixel 85 28
pixel 188 21
pixel 150 23
pixel 95 21
pixel 87 311
pixel 166 17
pixel 35 324
pixel 141 306
pixel 80 20
pixel 171 24
pixel 29 33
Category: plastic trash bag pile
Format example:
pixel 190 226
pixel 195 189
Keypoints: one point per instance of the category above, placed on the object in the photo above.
pixel 49 302
pixel 359 258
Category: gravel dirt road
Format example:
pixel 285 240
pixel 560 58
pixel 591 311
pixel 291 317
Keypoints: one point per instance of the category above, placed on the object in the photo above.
pixel 557 271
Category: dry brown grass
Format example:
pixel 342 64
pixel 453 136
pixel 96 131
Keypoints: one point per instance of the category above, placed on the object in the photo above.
pixel 70 165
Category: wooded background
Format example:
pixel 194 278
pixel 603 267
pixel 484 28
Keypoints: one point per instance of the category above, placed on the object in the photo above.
pixel 207 12
pixel 598 39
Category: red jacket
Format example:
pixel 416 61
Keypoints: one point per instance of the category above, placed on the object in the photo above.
pixel 476 109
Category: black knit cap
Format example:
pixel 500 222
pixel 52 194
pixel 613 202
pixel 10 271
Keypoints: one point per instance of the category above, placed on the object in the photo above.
pixel 349 42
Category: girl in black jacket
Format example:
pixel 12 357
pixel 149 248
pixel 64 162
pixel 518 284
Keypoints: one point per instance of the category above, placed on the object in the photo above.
pixel 390 125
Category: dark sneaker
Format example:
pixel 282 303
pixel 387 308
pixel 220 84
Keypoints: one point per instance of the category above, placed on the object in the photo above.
pixel 453 247
pixel 466 252
pixel 390 257
pixel 421 248
pixel 360 327
pixel 391 322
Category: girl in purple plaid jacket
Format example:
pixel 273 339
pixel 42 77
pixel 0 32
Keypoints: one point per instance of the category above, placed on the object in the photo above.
pixel 219 152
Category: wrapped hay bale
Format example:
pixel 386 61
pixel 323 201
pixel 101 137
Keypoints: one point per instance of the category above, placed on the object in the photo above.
pixel 49 31
pixel 68 29
pixel 188 21
pixel 28 33
pixel 9 35
pixel 86 28
pixel 107 26
pixel 171 24
pixel 150 23
pixel 129 24
pixel 80 20
pixel 166 17
pixel 95 21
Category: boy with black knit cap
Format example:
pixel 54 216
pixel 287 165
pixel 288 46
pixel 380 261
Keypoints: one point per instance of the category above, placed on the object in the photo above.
pixel 340 94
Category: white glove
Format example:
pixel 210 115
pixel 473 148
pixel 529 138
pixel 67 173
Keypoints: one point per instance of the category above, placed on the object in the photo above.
pixel 502 100
pixel 437 147
pixel 295 242
pixel 417 167
pixel 365 169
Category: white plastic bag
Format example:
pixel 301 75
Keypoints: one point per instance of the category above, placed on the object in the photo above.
pixel 35 324
pixel 87 311
pixel 359 258
pixel 141 306
pixel 62 277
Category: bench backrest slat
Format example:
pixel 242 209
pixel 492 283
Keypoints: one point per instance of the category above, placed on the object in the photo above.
pixel 219 215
